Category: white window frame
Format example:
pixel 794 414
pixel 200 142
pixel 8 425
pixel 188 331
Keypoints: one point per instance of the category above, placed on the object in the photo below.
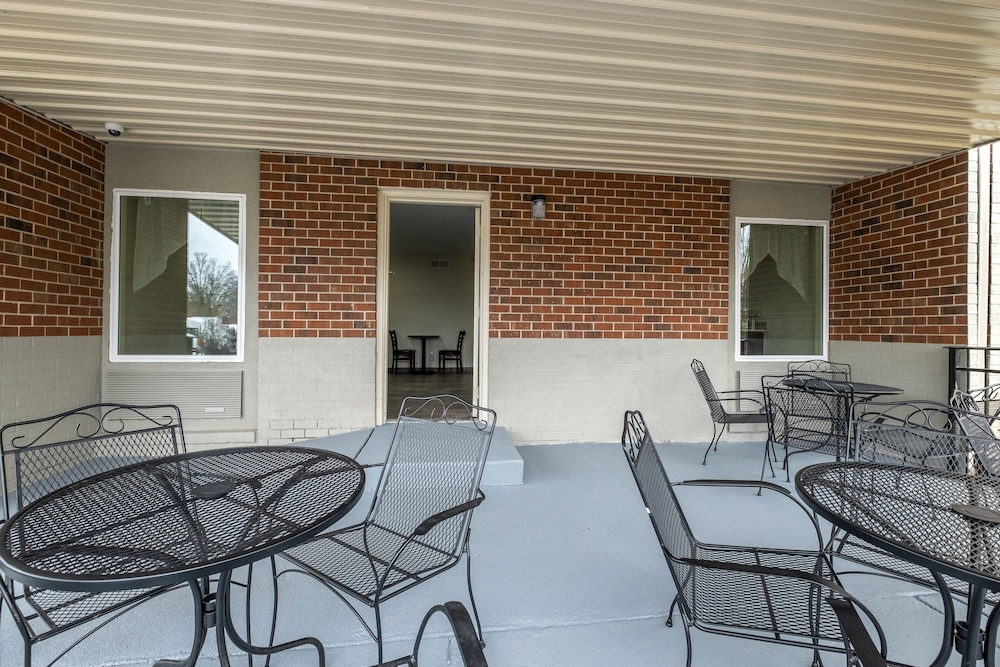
pixel 738 276
pixel 114 356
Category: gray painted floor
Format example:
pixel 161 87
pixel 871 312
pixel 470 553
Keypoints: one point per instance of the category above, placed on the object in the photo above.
pixel 567 572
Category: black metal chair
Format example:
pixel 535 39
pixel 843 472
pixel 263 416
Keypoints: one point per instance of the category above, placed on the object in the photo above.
pixel 469 647
pixel 418 524
pixel 821 368
pixel 717 402
pixel 42 455
pixel 455 356
pixel 816 418
pixel 409 356
pixel 784 596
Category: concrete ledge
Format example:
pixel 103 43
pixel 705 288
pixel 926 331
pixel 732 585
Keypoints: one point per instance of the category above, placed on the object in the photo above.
pixel 504 465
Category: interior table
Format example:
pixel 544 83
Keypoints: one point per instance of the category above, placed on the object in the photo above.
pixel 864 390
pixel 945 521
pixel 182 519
pixel 423 352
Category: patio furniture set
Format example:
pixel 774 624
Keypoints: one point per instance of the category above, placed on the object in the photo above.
pixel 912 494
pixel 105 509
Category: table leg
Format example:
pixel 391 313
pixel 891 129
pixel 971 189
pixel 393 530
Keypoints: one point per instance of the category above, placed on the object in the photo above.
pixel 977 599
pixel 204 618
pixel 226 628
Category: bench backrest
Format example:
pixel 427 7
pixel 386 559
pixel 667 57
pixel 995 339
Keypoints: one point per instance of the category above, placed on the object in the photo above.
pixel 41 455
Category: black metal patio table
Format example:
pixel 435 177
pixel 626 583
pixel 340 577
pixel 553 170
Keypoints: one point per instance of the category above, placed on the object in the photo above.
pixel 948 522
pixel 182 519
pixel 867 390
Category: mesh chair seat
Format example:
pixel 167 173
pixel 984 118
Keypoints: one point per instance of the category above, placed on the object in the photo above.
pixel 351 556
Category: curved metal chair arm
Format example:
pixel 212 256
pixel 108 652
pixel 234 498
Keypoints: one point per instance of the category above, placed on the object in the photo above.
pixel 760 485
pixel 857 634
pixel 467 640
pixel 427 524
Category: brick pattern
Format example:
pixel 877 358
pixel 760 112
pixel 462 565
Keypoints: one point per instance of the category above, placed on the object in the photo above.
pixel 51 228
pixel 618 255
pixel 899 255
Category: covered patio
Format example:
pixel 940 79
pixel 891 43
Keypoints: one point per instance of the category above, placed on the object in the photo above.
pixel 566 568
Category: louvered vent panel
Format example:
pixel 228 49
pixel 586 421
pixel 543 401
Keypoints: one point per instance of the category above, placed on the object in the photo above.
pixel 749 380
pixel 199 394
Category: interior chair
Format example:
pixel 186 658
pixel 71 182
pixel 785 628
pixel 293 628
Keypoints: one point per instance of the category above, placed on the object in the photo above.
pixel 42 455
pixel 418 524
pixel 464 632
pixel 455 355
pixel 784 596
pixel 718 401
pixel 800 419
pixel 821 368
pixel 409 356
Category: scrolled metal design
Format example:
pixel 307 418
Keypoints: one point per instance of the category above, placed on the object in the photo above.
pixel 87 422
pixel 447 409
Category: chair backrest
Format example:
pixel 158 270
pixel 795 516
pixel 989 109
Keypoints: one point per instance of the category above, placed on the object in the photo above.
pixel 925 434
pixel 972 417
pixel 708 391
pixel 665 513
pixel 815 418
pixel 821 368
pixel 41 455
pixel 435 462
pixel 392 338
pixel 461 337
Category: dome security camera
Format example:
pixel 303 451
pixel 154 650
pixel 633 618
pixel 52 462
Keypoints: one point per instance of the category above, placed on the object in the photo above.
pixel 114 129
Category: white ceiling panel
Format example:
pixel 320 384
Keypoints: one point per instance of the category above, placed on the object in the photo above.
pixel 815 91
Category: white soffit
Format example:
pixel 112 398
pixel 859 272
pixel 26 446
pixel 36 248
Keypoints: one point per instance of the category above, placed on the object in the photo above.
pixel 816 91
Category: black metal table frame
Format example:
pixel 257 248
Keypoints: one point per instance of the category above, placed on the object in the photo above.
pixel 210 605
pixel 864 389
pixel 978 584
pixel 423 352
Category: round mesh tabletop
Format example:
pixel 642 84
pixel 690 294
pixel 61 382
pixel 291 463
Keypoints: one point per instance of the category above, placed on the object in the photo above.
pixel 946 521
pixel 170 520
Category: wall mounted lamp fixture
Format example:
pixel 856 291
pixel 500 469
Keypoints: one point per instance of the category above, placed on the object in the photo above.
pixel 538 207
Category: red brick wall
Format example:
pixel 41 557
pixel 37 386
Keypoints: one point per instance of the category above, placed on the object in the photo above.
pixel 51 228
pixel 618 255
pixel 898 255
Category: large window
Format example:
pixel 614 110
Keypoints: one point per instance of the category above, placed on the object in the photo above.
pixel 177 276
pixel 782 288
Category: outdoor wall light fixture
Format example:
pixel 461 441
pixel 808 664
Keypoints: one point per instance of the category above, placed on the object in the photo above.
pixel 538 207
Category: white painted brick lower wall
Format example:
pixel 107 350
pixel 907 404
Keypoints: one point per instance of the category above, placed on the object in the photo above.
pixel 576 390
pixel 45 375
pixel 309 388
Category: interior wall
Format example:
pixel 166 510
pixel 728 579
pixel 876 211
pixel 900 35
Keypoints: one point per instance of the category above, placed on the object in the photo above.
pixel 432 301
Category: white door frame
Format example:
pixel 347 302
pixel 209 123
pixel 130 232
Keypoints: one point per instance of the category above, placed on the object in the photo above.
pixel 481 200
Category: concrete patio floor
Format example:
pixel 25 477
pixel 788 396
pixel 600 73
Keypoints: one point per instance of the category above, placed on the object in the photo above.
pixel 566 568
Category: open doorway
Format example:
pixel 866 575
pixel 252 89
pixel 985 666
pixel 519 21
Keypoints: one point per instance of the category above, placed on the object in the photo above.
pixel 430 282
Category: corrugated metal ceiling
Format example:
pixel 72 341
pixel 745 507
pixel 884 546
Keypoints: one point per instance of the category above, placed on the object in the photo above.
pixel 817 91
